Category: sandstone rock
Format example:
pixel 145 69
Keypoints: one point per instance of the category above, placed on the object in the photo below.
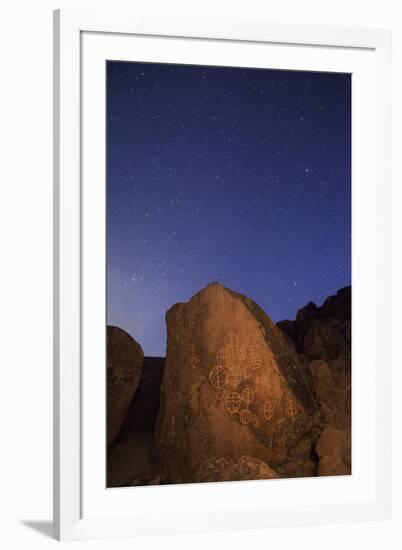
pixel 129 458
pixel 331 384
pixel 317 331
pixel 324 339
pixel 334 452
pixel 124 364
pixel 231 387
pixel 223 469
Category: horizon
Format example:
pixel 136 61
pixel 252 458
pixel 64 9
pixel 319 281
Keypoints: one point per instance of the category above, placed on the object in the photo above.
pixel 230 289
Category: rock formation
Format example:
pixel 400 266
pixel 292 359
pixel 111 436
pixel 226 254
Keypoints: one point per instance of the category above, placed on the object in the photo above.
pixel 245 468
pixel 124 365
pixel 129 458
pixel 232 386
pixel 322 336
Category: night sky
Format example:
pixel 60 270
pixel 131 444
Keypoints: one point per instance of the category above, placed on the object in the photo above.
pixel 240 176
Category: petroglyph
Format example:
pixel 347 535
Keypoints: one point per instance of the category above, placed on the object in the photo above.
pixel 232 402
pixel 231 340
pixel 245 416
pixel 223 357
pixel 234 376
pixel 247 396
pixel 291 407
pixel 236 363
pixel 217 377
pixel 253 341
pixel 269 409
pixel 254 360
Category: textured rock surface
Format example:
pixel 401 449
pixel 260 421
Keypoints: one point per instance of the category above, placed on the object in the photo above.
pixel 124 365
pixel 334 452
pixel 245 468
pixel 323 338
pixel 321 332
pixel 232 386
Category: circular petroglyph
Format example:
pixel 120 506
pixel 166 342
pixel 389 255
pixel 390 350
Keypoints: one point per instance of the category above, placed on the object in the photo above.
pixel 253 341
pixel 231 340
pixel 269 409
pixel 245 416
pixel 234 376
pixel 232 402
pixel 254 360
pixel 247 396
pixel 291 407
pixel 217 377
pixel 223 357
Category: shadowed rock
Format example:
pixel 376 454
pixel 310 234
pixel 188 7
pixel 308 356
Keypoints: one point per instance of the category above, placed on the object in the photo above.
pixel 243 469
pixel 320 332
pixel 129 458
pixel 232 386
pixel 124 364
pixel 323 338
pixel 144 406
pixel 334 452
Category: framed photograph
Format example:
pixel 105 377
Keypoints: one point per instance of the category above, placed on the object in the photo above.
pixel 222 274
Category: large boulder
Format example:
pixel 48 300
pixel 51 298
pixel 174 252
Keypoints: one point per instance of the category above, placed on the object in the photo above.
pixel 124 365
pixel 232 386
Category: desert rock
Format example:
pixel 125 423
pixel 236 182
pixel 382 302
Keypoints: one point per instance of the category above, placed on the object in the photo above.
pixel 124 365
pixel 333 449
pixel 322 336
pixel 232 386
pixel 243 469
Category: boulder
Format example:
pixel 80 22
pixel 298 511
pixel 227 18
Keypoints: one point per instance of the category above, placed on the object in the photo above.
pixel 243 469
pixel 232 386
pixel 334 451
pixel 124 365
pixel 331 384
pixel 320 331
pixel 324 339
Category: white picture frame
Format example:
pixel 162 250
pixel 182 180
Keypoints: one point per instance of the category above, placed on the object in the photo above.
pixel 83 507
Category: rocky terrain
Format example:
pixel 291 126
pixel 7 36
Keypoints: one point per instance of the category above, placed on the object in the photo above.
pixel 237 397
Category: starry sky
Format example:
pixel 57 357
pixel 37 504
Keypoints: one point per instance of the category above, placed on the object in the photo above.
pixel 241 176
